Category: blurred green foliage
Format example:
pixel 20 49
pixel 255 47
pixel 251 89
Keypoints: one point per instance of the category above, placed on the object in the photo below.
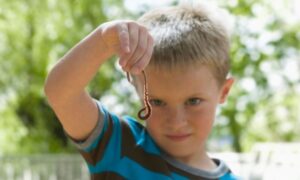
pixel 264 102
pixel 34 35
pixel 263 106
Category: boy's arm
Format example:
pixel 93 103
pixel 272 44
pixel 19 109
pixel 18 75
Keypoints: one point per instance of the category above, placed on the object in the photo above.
pixel 66 82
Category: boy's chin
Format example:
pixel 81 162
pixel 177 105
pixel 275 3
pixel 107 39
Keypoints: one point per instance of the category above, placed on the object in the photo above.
pixel 179 153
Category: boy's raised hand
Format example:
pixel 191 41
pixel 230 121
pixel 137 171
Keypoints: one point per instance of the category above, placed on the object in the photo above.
pixel 75 108
pixel 130 41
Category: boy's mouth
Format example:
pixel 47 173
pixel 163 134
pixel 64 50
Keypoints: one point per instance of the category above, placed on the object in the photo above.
pixel 178 137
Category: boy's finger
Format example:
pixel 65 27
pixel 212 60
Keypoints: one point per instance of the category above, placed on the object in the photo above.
pixel 124 38
pixel 133 31
pixel 145 59
pixel 141 48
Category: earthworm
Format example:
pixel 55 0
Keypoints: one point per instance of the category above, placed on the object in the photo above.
pixel 142 114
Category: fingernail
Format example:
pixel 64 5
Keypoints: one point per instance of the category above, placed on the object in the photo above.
pixel 127 49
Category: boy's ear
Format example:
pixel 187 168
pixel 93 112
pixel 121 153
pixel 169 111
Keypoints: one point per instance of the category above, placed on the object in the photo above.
pixel 225 89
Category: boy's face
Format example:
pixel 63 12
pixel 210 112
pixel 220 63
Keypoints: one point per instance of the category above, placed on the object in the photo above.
pixel 183 109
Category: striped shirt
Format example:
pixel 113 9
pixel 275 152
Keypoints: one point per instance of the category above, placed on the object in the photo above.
pixel 122 149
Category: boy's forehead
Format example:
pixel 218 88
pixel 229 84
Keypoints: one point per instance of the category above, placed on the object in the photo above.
pixel 192 79
pixel 179 70
pixel 174 69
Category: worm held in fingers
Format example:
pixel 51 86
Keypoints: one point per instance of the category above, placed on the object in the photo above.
pixel 146 111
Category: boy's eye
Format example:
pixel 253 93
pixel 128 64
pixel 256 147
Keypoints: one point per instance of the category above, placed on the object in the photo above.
pixel 193 101
pixel 156 102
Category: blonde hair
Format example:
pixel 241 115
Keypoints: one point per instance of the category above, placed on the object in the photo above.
pixel 187 35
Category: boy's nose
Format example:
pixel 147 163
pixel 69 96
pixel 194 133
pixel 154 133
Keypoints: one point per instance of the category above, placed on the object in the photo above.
pixel 176 117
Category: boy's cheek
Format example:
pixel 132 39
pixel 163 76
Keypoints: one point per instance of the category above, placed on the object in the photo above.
pixel 202 114
pixel 153 126
pixel 156 119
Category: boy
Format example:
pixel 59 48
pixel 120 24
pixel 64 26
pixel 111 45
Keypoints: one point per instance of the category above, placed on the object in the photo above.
pixel 183 52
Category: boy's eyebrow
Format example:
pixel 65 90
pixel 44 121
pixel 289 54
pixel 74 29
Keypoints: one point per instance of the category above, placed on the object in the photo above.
pixel 197 94
pixel 151 96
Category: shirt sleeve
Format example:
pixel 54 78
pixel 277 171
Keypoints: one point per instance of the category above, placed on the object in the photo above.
pixel 105 138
